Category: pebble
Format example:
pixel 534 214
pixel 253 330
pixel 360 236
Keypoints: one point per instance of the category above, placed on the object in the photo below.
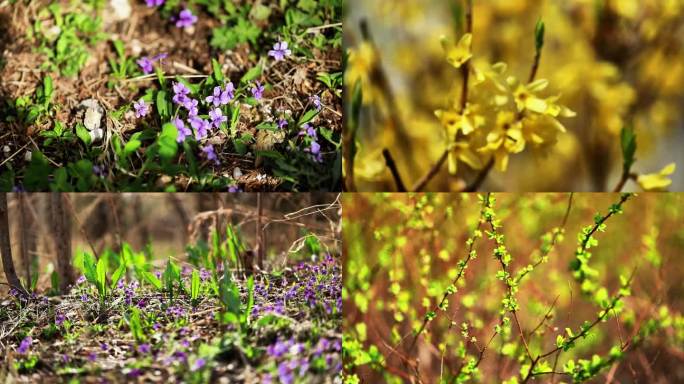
pixel 27 156
pixel 121 11
pixel 237 173
pixel 93 119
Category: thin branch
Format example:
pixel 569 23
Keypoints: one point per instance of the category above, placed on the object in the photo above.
pixel 480 178
pixel 389 161
pixel 420 184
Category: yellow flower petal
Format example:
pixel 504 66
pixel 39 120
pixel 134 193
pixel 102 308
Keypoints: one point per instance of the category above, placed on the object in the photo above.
pixel 458 54
pixel 536 104
pixel 657 181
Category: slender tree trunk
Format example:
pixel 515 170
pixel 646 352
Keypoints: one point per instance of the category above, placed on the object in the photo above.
pixel 61 229
pixel 140 221
pixel 182 215
pixel 6 247
pixel 113 201
pixel 27 236
pixel 259 234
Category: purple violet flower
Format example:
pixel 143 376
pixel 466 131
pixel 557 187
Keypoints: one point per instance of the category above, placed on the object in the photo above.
pixel 210 154
pixel 191 106
pixel 279 51
pixel 185 19
pixel 144 349
pixel 25 345
pixel 234 189
pixel 282 123
pixel 217 117
pixel 145 65
pixel 257 91
pixel 154 3
pixel 200 126
pixel 183 131
pixel 199 363
pixel 285 373
pixel 99 171
pixel 141 109
pixel 221 97
pixel 316 101
pixel 59 319
pixel 309 131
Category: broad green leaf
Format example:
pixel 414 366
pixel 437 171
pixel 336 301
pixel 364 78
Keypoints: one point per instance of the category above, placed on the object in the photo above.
pixel 307 117
pixel 163 106
pixel 251 74
pixel 89 268
pixel 194 285
pixel 218 74
pixel 167 142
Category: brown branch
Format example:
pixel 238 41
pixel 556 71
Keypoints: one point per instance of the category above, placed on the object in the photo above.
pixel 480 178
pixel 420 184
pixel 389 161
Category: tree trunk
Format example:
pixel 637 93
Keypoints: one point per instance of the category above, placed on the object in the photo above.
pixel 259 234
pixel 6 247
pixel 27 236
pixel 61 229
pixel 182 216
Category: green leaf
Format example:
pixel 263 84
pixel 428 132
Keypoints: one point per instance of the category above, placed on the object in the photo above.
pixel 89 268
pixel 307 117
pixel 83 134
pixel 133 144
pixel 118 274
pixel 135 324
pixel 167 142
pixel 150 278
pixel 251 74
pixel 102 276
pixel 163 106
pixel 539 35
pixel 47 88
pixel 194 285
pixel 629 145
pixel 218 74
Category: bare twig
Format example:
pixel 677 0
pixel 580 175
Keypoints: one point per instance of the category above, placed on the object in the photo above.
pixel 393 169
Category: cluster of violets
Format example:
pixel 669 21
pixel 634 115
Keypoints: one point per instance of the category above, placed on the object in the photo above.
pixel 293 359
pixel 317 285
pixel 314 285
pixel 184 19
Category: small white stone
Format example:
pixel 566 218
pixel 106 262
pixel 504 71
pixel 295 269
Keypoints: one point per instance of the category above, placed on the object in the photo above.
pixel 121 10
pixel 136 47
pixel 96 135
pixel 237 173
pixel 53 32
pixel 6 149
pixel 27 156
pixel 92 119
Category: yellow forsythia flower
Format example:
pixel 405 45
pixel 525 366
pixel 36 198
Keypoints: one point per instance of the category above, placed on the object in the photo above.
pixel 460 151
pixel 359 67
pixel 657 181
pixel 458 54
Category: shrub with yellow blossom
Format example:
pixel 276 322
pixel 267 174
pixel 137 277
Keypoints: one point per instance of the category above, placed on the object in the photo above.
pixel 605 66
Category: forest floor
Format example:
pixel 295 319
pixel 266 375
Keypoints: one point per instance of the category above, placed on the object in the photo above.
pixel 278 327
pixel 73 74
